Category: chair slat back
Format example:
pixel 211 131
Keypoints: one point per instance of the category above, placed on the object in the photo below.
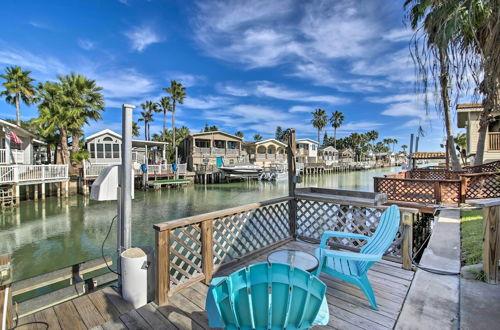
pixel 265 296
pixel 384 235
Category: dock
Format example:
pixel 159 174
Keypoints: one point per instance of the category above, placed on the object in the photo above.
pixel 158 184
pixel 349 309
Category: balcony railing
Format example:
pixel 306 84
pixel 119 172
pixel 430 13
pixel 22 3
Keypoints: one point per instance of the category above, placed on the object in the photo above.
pixel 16 156
pixel 33 173
pixel 215 151
pixel 91 170
pixel 494 141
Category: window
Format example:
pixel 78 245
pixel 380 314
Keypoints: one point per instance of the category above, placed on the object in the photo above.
pixel 313 147
pixel 116 151
pixel 107 138
pixel 92 150
pixel 219 144
pixel 100 149
pixel 107 149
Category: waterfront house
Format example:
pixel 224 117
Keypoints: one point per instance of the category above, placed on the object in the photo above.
pixel 468 117
pixel 329 155
pixel 346 156
pixel 210 149
pixel 307 151
pixel 27 150
pixel 265 152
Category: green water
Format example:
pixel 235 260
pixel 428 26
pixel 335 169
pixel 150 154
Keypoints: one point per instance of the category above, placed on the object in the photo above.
pixel 46 235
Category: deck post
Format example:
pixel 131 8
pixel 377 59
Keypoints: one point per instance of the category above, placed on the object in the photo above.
pixel 5 290
pixel 437 192
pixel 292 181
pixel 66 188
pixel 162 239
pixel 42 186
pixel 463 189
pixel 491 243
pixel 407 243
pixel 17 193
pixel 207 258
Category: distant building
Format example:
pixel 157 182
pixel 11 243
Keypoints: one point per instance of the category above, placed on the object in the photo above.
pixel 307 151
pixel 329 155
pixel 265 152
pixel 29 150
pixel 346 156
pixel 105 148
pixel 210 149
pixel 468 117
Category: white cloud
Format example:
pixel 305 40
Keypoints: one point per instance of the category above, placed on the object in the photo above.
pixel 86 44
pixel 187 79
pixel 301 108
pixel 46 66
pixel 230 89
pixel 399 34
pixel 396 66
pixel 206 102
pixel 143 36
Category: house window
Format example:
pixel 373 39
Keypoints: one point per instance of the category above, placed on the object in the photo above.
pixel 219 144
pixel 116 151
pixel 100 149
pixel 107 139
pixel 107 149
pixel 92 150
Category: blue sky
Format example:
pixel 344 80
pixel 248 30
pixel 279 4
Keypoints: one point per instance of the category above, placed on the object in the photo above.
pixel 247 65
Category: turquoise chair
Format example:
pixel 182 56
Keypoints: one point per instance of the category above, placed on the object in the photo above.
pixel 267 296
pixel 352 266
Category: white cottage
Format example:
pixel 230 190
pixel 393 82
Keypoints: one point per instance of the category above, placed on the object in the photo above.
pixel 329 155
pixel 25 152
pixel 307 151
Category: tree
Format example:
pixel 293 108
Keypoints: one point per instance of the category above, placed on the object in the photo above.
pixel 279 134
pixel 319 121
pixel 147 117
pixel 135 129
pixel 372 136
pixel 84 101
pixel 431 17
pixel 18 86
pixel 336 120
pixel 239 134
pixel 165 106
pixel 325 139
pixel 404 147
pixel 177 95
pixel 257 137
pixel 166 136
pixel 53 117
pixel 212 128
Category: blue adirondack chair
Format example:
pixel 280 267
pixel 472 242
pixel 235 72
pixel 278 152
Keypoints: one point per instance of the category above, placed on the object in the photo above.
pixel 267 296
pixel 352 266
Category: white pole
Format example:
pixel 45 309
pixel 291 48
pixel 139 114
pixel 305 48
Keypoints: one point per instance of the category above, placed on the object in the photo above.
pixel 125 181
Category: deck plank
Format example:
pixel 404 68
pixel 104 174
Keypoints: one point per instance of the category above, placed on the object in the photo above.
pixel 105 307
pixel 121 305
pixel 115 324
pixel 88 312
pixel 48 316
pixel 133 320
pixel 154 318
pixel 68 316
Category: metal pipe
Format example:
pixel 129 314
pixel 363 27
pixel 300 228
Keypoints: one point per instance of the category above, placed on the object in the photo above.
pixel 126 174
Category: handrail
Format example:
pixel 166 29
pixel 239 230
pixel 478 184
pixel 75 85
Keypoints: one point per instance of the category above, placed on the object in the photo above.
pixel 216 214
pixel 417 180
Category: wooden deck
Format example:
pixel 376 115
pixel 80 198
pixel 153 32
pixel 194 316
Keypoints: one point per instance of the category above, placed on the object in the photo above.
pixel 349 309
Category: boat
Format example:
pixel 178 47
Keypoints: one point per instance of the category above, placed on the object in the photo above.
pixel 276 172
pixel 242 170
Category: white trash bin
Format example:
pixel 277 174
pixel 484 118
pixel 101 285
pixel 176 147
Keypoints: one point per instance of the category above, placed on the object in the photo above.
pixel 134 262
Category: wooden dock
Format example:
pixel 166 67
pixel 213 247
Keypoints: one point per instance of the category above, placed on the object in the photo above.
pixel 349 309
pixel 158 184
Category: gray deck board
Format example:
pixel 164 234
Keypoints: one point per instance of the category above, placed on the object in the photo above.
pixel 349 309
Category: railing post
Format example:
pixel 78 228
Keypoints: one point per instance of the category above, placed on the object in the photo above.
pixel 43 172
pixel 162 239
pixel 292 181
pixel 16 173
pixel 207 258
pixel 491 243
pixel 407 243
pixel 463 189
pixel 5 290
pixel 437 192
pixel 375 184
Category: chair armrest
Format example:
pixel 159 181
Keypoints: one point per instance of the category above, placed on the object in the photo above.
pixel 340 234
pixel 349 255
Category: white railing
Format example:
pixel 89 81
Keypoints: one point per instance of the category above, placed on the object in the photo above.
pixel 16 156
pixel 3 156
pixel 182 168
pixel 270 156
pixel 218 151
pixel 280 156
pixel 201 151
pixel 27 173
pixel 261 156
pixel 232 151
pixel 93 170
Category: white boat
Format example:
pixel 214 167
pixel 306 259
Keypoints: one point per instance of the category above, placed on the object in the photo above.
pixel 242 170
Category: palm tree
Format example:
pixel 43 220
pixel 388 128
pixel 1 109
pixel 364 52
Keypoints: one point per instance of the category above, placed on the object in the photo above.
pixel 53 117
pixel 83 100
pixel 336 120
pixel 404 147
pixel 257 137
pixel 372 136
pixel 135 129
pixel 18 87
pixel 440 22
pixel 177 95
pixel 239 134
pixel 165 106
pixel 319 121
pixel 147 117
pixel 279 134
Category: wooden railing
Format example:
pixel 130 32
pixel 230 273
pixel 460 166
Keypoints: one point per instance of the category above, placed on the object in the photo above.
pixel 494 141
pixel 190 250
pixel 33 173
pixel 482 185
pixel 420 190
pixel 434 174
pixel 488 167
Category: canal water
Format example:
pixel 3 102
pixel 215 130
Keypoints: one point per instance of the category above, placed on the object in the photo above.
pixel 42 236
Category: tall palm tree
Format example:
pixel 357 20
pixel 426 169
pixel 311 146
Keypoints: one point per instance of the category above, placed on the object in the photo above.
pixel 83 101
pixel 135 129
pixel 441 22
pixel 18 86
pixel 336 120
pixel 319 121
pixel 372 136
pixel 165 106
pixel 53 117
pixel 177 94
pixel 147 117
pixel 404 147
pixel 257 137
pixel 239 134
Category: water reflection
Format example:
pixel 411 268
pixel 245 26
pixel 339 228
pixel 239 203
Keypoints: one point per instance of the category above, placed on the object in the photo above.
pixel 45 235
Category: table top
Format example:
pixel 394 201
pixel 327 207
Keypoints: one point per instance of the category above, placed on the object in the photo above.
pixel 299 259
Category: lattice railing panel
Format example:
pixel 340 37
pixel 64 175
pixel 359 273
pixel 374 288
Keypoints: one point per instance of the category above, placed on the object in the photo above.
pixel 406 190
pixel 185 253
pixel 488 167
pixel 434 174
pixel 240 234
pixel 314 218
pixel 483 186
pixel 450 192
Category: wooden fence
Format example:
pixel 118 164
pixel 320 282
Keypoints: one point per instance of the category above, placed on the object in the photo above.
pixel 190 250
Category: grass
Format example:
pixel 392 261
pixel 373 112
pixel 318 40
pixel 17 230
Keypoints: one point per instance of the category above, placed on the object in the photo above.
pixel 471 231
